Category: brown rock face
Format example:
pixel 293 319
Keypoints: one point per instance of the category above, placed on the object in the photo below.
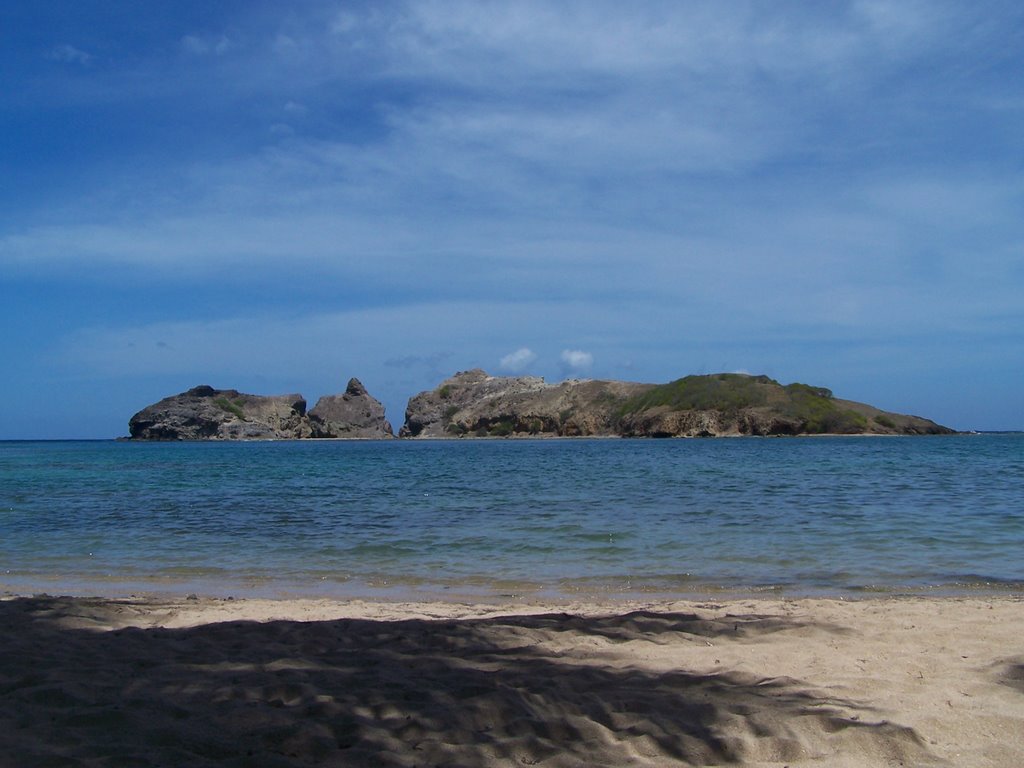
pixel 473 403
pixel 355 413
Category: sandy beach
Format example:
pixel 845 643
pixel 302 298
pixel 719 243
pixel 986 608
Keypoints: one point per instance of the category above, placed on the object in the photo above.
pixel 146 682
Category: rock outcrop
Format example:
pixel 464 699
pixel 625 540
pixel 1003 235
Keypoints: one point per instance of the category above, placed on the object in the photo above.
pixel 205 413
pixel 355 413
pixel 475 404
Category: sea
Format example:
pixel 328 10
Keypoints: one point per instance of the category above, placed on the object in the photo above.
pixel 515 518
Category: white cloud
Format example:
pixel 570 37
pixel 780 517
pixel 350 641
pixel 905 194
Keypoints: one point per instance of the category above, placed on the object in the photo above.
pixel 577 360
pixel 518 360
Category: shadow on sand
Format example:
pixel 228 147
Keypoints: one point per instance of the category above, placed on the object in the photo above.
pixel 513 690
pixel 1013 675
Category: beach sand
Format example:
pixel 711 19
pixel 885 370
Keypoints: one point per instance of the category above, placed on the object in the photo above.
pixel 811 682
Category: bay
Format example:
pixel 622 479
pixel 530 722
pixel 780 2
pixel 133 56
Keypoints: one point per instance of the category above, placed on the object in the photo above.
pixel 799 516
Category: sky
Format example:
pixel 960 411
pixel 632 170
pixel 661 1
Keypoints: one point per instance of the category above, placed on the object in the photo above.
pixel 275 197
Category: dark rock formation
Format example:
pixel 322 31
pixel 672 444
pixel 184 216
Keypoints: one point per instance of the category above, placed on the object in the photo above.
pixel 474 404
pixel 205 413
pixel 356 413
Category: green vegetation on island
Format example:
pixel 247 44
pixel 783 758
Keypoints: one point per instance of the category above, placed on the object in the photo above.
pixel 809 409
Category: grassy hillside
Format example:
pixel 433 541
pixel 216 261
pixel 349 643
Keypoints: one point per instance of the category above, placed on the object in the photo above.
pixel 813 408
pixel 720 392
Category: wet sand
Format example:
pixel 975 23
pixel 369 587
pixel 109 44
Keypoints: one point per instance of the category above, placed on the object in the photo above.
pixel 811 682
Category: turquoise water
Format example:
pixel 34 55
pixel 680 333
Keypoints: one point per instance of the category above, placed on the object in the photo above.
pixel 498 517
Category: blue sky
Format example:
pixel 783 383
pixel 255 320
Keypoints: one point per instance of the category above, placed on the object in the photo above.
pixel 275 197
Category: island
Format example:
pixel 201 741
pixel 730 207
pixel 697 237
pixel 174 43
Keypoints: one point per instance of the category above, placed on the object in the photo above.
pixel 475 404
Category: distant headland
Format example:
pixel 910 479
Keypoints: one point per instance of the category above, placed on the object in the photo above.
pixel 474 404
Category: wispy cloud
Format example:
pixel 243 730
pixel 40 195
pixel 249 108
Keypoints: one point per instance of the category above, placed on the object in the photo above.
pixel 69 54
pixel 205 45
pixel 417 361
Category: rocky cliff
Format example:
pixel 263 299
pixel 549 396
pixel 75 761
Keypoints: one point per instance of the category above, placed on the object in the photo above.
pixel 475 404
pixel 355 413
pixel 205 413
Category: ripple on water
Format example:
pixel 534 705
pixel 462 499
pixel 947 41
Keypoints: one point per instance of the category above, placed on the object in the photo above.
pixel 847 515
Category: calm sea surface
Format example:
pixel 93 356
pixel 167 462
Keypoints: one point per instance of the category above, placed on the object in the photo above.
pixel 524 517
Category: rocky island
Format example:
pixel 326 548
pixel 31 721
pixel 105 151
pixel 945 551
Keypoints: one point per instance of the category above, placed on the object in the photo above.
pixel 475 404
pixel 205 413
